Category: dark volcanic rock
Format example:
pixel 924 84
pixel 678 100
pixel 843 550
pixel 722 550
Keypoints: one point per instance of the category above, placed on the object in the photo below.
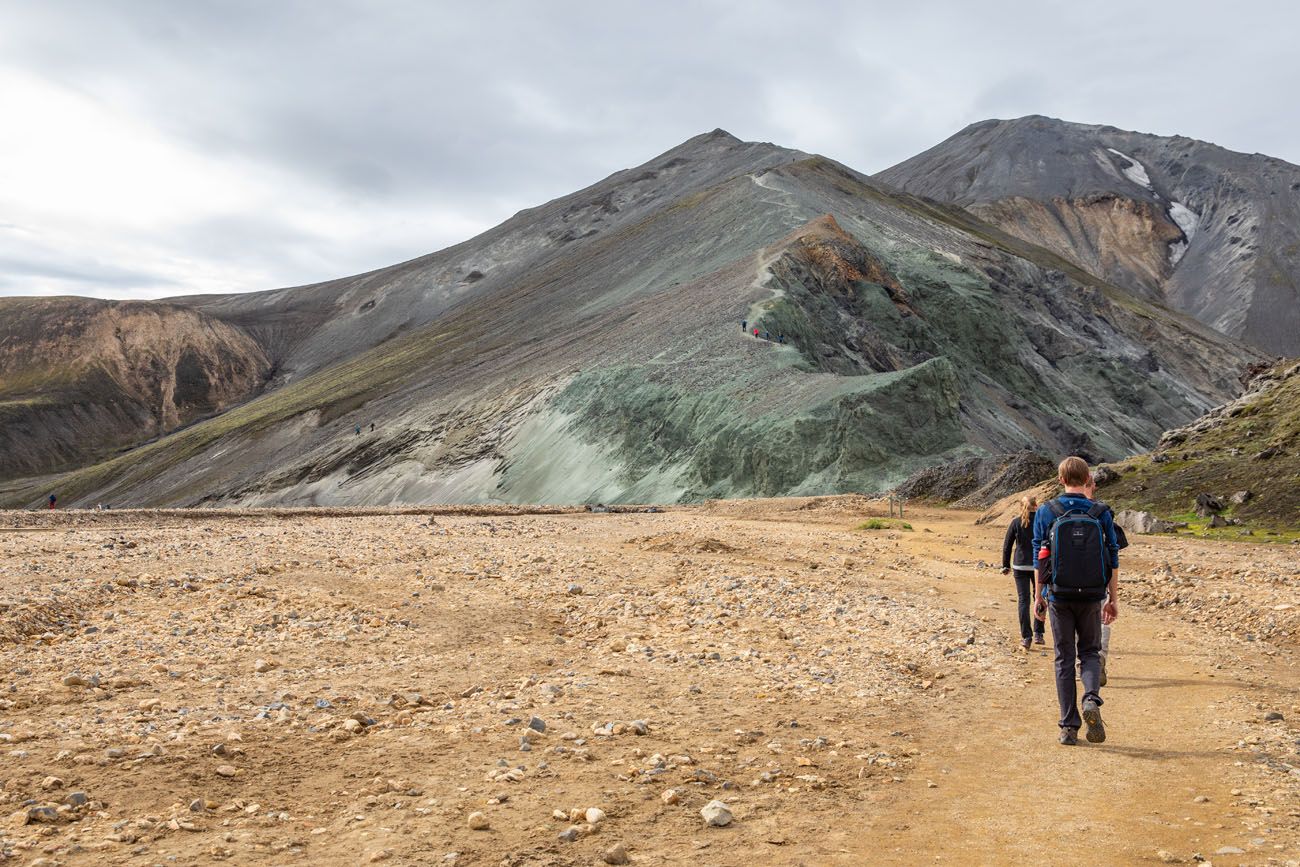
pixel 1208 504
pixel 978 482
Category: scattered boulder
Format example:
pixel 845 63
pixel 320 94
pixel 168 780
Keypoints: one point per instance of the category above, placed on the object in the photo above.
pixel 478 821
pixel 1104 475
pixel 616 854
pixel 42 814
pixel 1240 498
pixel 1208 504
pixel 1142 523
pixel 1218 521
pixel 716 814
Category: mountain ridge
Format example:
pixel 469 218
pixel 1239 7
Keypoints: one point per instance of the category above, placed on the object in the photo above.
pixel 1209 231
pixel 597 354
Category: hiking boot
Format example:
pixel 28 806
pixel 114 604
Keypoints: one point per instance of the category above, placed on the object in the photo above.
pixel 1069 737
pixel 1038 639
pixel 1102 682
pixel 1092 716
pixel 1024 643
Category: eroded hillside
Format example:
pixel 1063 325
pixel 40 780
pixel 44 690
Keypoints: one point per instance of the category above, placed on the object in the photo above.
pixel 81 378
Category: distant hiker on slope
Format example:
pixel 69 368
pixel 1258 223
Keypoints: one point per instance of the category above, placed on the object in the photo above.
pixel 1020 537
pixel 53 501
pixel 744 325
pixel 1078 566
pixel 358 430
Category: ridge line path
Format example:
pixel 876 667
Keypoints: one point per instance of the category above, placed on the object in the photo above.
pixel 1004 791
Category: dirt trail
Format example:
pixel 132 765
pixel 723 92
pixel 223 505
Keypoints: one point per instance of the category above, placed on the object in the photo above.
pixel 1002 783
pixel 854 696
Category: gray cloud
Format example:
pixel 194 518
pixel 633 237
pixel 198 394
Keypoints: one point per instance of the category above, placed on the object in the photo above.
pixel 369 132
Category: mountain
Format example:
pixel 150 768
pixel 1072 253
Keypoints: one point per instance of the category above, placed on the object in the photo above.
pixel 1208 231
pixel 81 378
pixel 591 349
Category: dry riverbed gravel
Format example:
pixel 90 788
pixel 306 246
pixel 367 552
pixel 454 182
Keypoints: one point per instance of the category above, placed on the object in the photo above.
pixel 732 684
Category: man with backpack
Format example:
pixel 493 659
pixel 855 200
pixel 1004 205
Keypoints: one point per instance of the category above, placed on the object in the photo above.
pixel 1077 586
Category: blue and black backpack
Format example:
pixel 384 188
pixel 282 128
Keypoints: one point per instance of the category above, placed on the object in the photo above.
pixel 1077 543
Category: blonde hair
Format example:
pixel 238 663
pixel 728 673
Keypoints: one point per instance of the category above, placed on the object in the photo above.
pixel 1073 472
pixel 1027 506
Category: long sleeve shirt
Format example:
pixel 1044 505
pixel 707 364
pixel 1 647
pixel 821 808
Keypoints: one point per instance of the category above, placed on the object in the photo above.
pixel 1020 538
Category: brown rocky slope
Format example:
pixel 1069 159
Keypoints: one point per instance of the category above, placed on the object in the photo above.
pixel 81 378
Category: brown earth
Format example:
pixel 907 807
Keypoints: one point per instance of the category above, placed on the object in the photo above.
pixel 854 696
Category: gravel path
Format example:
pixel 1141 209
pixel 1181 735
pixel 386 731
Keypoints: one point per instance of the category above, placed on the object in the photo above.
pixel 546 688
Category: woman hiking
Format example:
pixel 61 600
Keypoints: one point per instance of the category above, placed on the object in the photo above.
pixel 1020 537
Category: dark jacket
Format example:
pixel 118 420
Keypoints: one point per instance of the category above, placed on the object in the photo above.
pixel 1021 537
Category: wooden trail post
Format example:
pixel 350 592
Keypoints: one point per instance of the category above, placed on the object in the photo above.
pixel 896 499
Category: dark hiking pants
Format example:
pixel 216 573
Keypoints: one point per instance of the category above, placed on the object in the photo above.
pixel 1076 633
pixel 1029 627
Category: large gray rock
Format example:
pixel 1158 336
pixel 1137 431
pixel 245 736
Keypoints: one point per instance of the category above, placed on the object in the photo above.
pixel 1104 475
pixel 1142 523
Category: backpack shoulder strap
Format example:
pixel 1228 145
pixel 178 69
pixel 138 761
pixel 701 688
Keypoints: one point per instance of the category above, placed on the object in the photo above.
pixel 1058 509
pixel 1097 510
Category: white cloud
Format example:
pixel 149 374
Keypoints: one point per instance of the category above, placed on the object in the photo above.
pixel 151 149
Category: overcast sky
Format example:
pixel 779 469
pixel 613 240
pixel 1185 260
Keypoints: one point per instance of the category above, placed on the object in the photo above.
pixel 178 146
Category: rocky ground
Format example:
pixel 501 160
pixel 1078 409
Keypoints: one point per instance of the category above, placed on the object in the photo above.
pixel 513 688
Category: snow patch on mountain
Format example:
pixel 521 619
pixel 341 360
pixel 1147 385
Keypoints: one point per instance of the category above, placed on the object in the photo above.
pixel 1134 170
pixel 1185 218
pixel 1188 221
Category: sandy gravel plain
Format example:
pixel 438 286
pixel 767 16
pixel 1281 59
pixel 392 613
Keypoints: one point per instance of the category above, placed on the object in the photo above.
pixel 280 687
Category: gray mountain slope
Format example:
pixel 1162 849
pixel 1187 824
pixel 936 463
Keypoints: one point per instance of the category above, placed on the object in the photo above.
pixel 1211 232
pixel 612 366
pixel 309 327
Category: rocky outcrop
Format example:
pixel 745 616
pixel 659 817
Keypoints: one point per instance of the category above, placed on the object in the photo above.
pixel 1142 523
pixel 1212 465
pixel 973 483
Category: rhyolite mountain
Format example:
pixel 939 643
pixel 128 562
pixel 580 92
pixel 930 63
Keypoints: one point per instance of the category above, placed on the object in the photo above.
pixel 1208 231
pixel 591 349
pixel 81 378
